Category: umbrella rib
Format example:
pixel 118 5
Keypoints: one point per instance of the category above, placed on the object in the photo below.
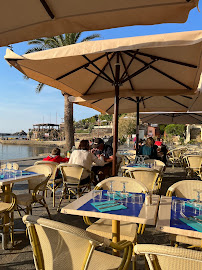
pixel 146 98
pixel 176 102
pixel 196 118
pixel 47 8
pixel 101 71
pixel 78 68
pixel 165 74
pixel 147 65
pixel 97 76
pixel 109 62
pixel 186 97
pixel 97 101
pixel 130 99
pixel 167 60
pixel 126 71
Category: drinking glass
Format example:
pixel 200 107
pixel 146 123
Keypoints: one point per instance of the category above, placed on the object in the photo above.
pixel 178 205
pixel 198 195
pixel 111 186
pixel 111 195
pixel 136 199
pixel 2 174
pixel 97 195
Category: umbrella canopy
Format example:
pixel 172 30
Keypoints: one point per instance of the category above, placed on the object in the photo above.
pixel 172 118
pixel 24 20
pixel 180 103
pixel 166 64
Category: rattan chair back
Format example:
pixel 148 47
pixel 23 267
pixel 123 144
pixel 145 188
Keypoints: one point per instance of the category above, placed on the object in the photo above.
pixel 52 165
pixel 40 169
pixel 132 185
pixel 71 173
pixel 10 166
pixel 166 258
pixel 194 161
pixel 185 189
pixel 149 177
pixel 60 246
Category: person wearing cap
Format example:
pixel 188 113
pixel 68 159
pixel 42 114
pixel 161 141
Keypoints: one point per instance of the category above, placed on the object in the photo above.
pixel 100 148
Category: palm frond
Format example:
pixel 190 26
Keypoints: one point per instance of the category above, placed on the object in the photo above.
pixel 39 87
pixel 61 40
pixel 91 37
pixel 51 43
pixel 77 36
pixel 36 41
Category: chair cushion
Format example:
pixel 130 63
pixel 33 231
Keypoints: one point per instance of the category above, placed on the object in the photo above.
pixel 103 227
pixel 26 199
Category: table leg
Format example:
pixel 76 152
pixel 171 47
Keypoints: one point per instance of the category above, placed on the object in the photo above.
pixel 115 234
pixel 6 218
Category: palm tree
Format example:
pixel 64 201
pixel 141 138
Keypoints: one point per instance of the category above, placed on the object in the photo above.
pixel 41 44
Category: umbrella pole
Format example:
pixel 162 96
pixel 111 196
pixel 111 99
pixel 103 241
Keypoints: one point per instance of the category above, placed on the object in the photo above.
pixel 116 111
pixel 137 125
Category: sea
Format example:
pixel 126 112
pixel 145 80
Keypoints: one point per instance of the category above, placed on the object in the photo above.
pixel 21 151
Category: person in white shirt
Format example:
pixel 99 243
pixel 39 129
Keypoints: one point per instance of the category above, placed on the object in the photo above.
pixel 85 158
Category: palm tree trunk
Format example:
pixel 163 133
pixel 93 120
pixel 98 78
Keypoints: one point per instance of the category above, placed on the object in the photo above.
pixel 68 122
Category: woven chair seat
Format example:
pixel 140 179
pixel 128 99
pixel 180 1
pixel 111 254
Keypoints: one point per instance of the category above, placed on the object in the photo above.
pixel 4 206
pixel 27 199
pixel 103 227
pixel 186 240
pixel 56 181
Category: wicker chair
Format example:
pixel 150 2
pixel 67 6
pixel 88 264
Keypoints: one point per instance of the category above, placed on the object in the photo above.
pixel 175 156
pixel 71 174
pixel 7 209
pixel 194 164
pixel 185 189
pixel 159 166
pixel 167 258
pixel 35 186
pixel 58 246
pixel 149 177
pixel 53 183
pixel 9 166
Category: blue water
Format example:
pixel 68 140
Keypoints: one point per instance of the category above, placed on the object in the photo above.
pixel 21 151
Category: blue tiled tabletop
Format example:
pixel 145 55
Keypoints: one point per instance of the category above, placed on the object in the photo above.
pixel 176 218
pixel 131 210
pixel 10 176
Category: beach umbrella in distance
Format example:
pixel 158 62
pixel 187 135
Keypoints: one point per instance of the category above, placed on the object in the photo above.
pixel 172 118
pixel 166 64
pixel 25 20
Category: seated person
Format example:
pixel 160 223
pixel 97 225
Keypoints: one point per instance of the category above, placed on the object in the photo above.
pixel 55 156
pixel 99 148
pixel 85 158
pixel 158 142
pixel 149 149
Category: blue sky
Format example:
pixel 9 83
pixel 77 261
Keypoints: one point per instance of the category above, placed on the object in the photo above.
pixel 21 107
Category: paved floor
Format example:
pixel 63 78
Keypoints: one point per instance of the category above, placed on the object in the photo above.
pixel 20 257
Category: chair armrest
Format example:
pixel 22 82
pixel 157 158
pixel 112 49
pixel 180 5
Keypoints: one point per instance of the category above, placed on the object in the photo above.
pixel 13 200
pixel 37 188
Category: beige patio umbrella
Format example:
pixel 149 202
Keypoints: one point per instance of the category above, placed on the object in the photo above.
pixel 25 20
pixel 166 64
pixel 128 104
pixel 172 118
